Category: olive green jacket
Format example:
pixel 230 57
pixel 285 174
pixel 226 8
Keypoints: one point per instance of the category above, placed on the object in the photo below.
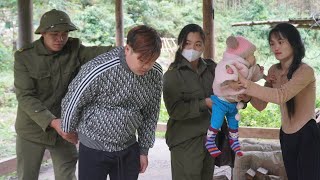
pixel 184 93
pixel 41 80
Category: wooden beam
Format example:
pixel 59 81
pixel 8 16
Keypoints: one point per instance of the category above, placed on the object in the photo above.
pixel 251 23
pixel 299 23
pixel 208 27
pixel 119 23
pixel 8 165
pixel 244 132
pixel 161 127
pixel 261 133
pixel 25 28
pixel 308 26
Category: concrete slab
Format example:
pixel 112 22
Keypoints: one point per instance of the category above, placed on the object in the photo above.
pixel 159 162
pixel 158 169
pixel 159 165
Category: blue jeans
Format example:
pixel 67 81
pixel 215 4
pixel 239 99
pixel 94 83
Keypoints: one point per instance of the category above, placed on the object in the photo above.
pixel 221 109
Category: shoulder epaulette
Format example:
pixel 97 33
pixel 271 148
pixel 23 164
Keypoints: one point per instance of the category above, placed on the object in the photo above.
pixel 29 46
pixel 172 66
pixel 77 40
pixel 74 42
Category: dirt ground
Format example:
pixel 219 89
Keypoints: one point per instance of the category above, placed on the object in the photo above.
pixel 159 165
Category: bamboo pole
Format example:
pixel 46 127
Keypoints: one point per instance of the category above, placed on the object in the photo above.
pixel 299 23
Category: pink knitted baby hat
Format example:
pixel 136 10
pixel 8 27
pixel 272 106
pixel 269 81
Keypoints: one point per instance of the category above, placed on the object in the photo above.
pixel 240 46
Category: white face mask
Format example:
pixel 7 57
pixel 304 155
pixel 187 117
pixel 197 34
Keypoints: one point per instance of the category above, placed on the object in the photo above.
pixel 191 54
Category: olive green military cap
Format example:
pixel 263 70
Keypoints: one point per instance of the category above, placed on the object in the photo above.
pixel 55 20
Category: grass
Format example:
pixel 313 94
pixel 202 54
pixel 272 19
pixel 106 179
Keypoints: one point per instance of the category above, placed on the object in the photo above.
pixel 163 116
pixel 10 176
pixel 160 134
pixel 8 106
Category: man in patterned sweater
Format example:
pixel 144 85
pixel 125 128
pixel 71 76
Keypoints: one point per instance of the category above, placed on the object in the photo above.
pixel 114 96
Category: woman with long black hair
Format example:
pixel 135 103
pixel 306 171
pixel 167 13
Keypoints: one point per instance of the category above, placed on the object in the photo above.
pixel 292 85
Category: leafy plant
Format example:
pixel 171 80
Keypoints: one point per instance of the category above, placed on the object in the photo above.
pixel 163 116
pixel 270 117
pixel 95 27
pixel 5 58
pixel 7 140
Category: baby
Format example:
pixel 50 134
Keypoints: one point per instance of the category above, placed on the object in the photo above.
pixel 238 58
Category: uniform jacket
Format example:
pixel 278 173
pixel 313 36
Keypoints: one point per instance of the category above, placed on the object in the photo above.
pixel 41 80
pixel 184 94
pixel 107 103
pixel 238 65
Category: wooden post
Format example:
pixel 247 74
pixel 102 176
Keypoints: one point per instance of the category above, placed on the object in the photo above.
pixel 25 29
pixel 208 27
pixel 119 23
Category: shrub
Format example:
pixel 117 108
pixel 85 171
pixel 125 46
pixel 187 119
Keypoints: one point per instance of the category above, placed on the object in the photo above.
pixel 269 117
pixel 5 58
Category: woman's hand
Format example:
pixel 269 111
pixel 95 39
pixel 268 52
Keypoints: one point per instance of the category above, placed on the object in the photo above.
pixel 235 85
pixel 270 78
pixel 243 81
pixel 245 98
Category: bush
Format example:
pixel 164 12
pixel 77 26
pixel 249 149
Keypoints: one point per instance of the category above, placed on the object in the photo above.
pixel 95 27
pixel 163 117
pixel 8 105
pixel 7 94
pixel 269 117
pixel 6 58
pixel 7 140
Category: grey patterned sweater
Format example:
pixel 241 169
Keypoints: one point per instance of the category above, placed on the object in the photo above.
pixel 107 104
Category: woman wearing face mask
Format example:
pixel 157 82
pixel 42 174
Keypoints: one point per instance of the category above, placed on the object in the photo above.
pixel 186 92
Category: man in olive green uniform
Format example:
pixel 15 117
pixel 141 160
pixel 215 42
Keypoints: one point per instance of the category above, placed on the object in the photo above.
pixel 42 73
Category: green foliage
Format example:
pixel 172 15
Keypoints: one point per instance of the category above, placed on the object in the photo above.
pixel 255 10
pixel 5 58
pixel 46 5
pixel 93 28
pixel 270 117
pixel 137 10
pixel 7 94
pixel 160 134
pixel 169 19
pixel 8 106
pixel 164 25
pixel 318 102
pixel 7 140
pixel 163 116
pixel 8 3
